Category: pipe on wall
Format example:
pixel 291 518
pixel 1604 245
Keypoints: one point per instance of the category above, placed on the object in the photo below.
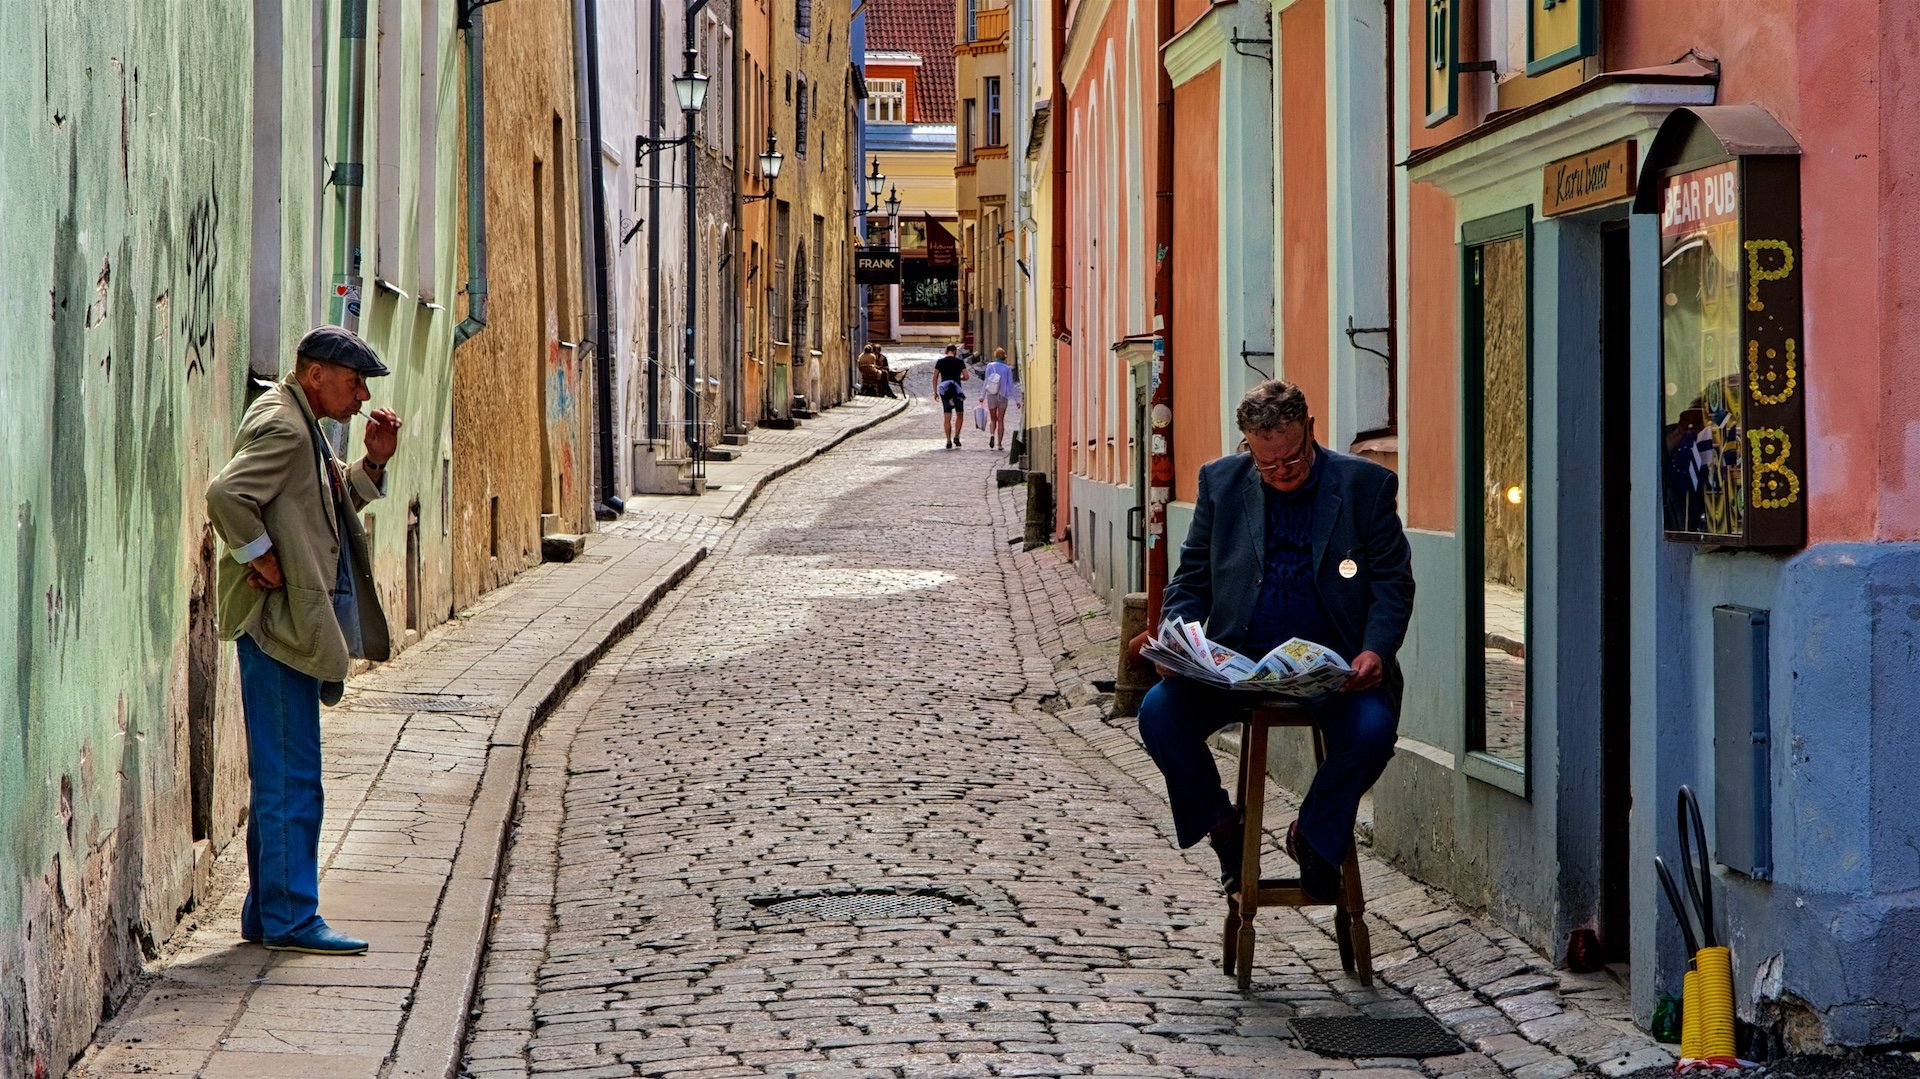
pixel 476 317
pixel 657 120
pixel 348 177
pixel 1160 410
pixel 593 237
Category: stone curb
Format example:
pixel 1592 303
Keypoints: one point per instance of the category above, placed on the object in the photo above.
pixel 435 1030
pixel 436 1023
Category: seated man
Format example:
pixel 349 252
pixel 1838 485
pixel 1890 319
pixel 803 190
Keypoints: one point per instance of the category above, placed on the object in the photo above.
pixel 1288 540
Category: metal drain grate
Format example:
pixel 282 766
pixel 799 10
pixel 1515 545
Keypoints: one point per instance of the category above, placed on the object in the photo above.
pixel 414 702
pixel 1351 1036
pixel 870 903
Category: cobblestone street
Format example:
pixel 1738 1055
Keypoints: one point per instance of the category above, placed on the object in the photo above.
pixel 868 687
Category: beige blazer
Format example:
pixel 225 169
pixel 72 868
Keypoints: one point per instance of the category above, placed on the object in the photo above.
pixel 274 487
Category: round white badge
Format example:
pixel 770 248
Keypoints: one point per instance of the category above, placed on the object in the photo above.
pixel 1349 568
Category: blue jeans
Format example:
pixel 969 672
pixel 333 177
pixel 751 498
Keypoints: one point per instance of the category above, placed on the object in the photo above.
pixel 283 820
pixel 1178 714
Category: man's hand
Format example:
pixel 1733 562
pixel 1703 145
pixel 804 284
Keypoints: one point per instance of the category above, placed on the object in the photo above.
pixel 383 436
pixel 1134 646
pixel 1368 669
pixel 264 572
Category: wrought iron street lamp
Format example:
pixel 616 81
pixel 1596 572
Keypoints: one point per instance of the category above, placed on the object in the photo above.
pixel 770 161
pixel 691 87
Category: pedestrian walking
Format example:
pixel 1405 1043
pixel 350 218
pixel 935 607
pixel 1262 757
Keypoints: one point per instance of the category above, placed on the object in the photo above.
pixel 948 372
pixel 998 386
pixel 1288 539
pixel 297 596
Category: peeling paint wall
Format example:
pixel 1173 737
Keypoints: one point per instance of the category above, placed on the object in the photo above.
pixel 165 194
pixel 125 175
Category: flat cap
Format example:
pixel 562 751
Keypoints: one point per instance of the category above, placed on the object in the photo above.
pixel 336 344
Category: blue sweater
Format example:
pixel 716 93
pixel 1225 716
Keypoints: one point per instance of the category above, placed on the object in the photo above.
pixel 1289 603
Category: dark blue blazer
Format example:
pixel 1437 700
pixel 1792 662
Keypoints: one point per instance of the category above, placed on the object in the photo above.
pixel 1355 517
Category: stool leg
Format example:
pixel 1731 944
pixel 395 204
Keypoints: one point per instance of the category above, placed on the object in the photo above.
pixel 1356 953
pixel 1245 978
pixel 1253 800
pixel 1229 936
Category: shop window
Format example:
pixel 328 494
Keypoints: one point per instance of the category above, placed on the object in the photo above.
pixel 1497 383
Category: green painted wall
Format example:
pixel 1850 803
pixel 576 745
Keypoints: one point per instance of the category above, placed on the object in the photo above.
pixel 124 178
pixel 138 287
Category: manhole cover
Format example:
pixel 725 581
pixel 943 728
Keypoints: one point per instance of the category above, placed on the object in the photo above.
pixel 414 702
pixel 1350 1036
pixel 849 906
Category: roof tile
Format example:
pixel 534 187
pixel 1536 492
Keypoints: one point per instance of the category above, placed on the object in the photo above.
pixel 924 27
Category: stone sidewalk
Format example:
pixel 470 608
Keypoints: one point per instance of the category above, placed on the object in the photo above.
pixel 423 762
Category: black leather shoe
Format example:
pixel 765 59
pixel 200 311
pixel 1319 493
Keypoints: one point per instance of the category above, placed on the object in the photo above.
pixel 1227 847
pixel 1319 878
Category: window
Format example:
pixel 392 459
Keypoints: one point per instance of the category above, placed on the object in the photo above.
pixel 886 101
pixel 800 117
pixel 813 285
pixel 424 227
pixel 1497 383
pixel 803 18
pixel 802 274
pixel 973 20
pixel 777 307
pixel 993 112
pixel 966 132
pixel 385 179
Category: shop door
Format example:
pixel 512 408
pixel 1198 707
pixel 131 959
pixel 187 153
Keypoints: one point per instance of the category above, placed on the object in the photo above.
pixel 1616 601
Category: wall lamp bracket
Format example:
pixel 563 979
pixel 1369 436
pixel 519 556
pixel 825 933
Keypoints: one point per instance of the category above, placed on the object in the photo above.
pixel 1354 331
pixel 642 145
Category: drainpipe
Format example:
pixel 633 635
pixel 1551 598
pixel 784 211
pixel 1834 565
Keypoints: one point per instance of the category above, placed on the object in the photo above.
pixel 656 122
pixel 476 318
pixel 1393 233
pixel 594 238
pixel 349 170
pixel 692 402
pixel 1160 401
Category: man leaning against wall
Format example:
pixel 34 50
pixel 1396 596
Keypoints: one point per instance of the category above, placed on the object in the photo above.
pixel 298 598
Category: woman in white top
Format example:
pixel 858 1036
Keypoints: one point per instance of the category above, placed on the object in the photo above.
pixel 997 384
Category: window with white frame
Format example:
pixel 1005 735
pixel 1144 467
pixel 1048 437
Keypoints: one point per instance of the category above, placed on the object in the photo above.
pixel 886 101
pixel 993 111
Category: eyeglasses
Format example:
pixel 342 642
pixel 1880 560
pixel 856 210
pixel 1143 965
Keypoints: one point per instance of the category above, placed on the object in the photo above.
pixel 1297 461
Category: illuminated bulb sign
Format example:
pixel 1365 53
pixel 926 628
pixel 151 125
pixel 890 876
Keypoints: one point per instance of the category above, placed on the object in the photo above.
pixel 1725 184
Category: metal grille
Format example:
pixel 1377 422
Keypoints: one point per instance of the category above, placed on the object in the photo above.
pixel 414 702
pixel 1352 1036
pixel 849 906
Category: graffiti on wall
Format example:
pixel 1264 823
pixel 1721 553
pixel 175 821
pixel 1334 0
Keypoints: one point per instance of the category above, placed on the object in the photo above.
pixel 203 259
pixel 562 395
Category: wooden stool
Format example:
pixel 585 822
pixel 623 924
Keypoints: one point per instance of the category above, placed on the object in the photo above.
pixel 1349 920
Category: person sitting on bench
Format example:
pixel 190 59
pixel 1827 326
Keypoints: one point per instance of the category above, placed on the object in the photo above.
pixel 1288 539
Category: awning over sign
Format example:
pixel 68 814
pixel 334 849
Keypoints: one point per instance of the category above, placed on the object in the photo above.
pixel 943 252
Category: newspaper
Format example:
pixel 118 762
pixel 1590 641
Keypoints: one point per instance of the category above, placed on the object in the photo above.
pixel 1296 668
